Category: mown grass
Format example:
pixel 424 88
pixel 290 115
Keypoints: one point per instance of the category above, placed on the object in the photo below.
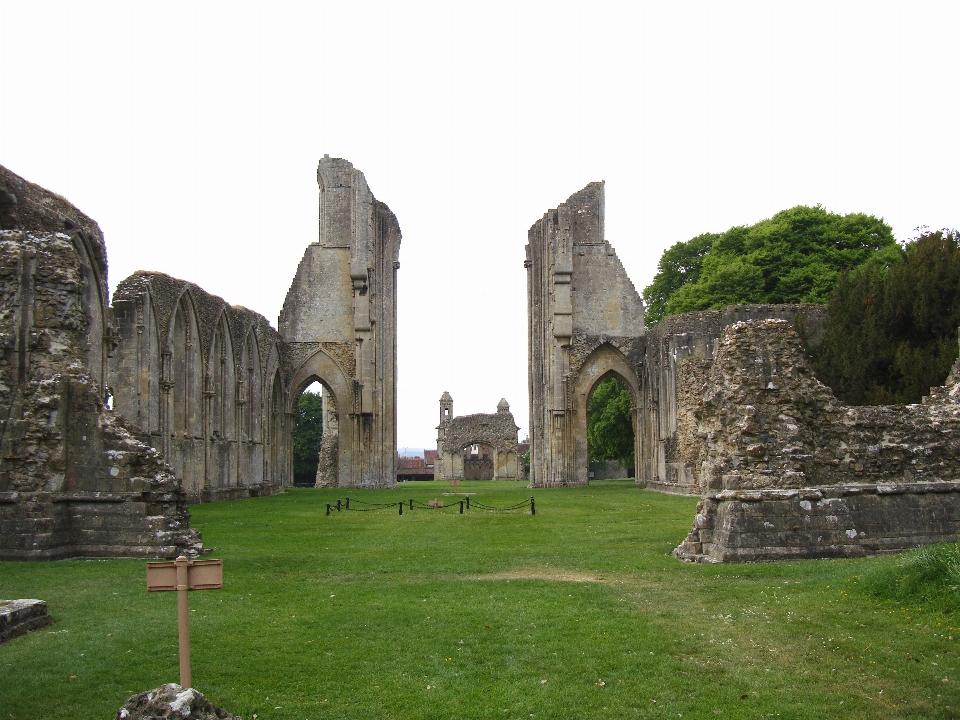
pixel 577 612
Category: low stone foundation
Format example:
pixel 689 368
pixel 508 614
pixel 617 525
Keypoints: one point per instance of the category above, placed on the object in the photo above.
pixel 21 616
pixel 839 521
pixel 56 525
pixel 236 492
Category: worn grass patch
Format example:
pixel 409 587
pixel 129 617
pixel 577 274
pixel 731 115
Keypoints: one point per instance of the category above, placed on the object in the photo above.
pixel 577 612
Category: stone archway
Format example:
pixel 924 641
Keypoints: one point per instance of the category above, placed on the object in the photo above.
pixel 478 446
pixel 604 362
pixel 341 468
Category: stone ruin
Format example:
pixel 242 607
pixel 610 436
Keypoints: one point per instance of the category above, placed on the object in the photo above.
pixel 725 406
pixel 74 479
pixel 201 394
pixel 788 471
pixel 476 447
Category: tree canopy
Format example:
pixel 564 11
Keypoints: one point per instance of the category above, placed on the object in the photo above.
pixel 307 434
pixel 610 429
pixel 795 256
pixel 891 330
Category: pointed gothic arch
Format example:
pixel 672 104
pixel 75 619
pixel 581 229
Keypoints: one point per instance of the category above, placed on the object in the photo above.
pixel 603 362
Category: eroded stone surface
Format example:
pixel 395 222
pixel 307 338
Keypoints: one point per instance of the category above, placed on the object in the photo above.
pixel 172 702
pixel 339 327
pixel 585 322
pixel 74 481
pixel 789 471
pixel 21 616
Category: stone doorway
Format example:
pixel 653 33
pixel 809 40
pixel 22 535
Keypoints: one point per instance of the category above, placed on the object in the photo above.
pixel 478 462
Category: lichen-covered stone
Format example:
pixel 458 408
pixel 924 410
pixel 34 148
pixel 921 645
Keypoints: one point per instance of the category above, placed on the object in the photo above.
pixel 788 471
pixel 172 702
pixel 21 616
pixel 74 481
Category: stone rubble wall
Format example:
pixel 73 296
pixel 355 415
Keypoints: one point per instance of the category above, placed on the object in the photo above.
pixel 497 430
pixel 789 471
pixel 678 353
pixel 74 481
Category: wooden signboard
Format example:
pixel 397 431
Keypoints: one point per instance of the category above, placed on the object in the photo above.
pixel 184 575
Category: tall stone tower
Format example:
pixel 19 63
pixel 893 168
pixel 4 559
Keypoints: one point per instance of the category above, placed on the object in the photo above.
pixel 446 415
pixel 339 321
pixel 585 321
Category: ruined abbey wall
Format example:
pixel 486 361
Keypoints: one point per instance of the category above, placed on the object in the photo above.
pixel 339 327
pixel 725 406
pixel 74 481
pixel 585 321
pixel 679 354
pixel 203 382
pixel 789 471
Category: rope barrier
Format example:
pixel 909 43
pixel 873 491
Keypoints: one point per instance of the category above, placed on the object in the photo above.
pixel 457 506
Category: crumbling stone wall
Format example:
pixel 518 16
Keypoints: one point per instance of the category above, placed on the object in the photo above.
pixel 678 355
pixel 789 471
pixel 73 479
pixel 204 382
pixel 497 431
pixel 339 325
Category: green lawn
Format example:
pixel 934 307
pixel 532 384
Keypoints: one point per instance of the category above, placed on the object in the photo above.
pixel 576 612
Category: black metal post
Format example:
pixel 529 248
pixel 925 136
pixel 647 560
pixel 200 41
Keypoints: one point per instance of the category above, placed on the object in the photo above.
pixel 338 505
pixel 468 502
pixel 461 507
pixel 348 503
pixel 328 509
pixel 533 507
pixel 411 503
pixel 401 507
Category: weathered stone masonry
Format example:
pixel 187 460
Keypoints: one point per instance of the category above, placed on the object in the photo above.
pixel 74 481
pixel 725 406
pixel 496 433
pixel 585 322
pixel 208 386
pixel 203 382
pixel 339 327
pixel 791 472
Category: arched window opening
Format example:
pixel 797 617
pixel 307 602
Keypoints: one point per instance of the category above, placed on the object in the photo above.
pixel 610 430
pixel 308 434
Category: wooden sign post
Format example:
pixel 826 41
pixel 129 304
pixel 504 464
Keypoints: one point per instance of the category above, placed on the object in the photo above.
pixel 183 575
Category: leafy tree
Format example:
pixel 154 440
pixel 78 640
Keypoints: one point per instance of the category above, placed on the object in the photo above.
pixel 795 256
pixel 679 265
pixel 307 434
pixel 610 428
pixel 891 332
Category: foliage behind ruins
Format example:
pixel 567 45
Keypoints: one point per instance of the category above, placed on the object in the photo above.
pixel 795 256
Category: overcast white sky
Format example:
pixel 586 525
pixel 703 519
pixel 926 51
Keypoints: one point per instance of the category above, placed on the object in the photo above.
pixel 191 132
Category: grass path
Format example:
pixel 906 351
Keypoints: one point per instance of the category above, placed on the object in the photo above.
pixel 577 612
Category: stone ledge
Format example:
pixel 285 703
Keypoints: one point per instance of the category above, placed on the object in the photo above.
pixel 828 491
pixel 95 497
pixel 18 617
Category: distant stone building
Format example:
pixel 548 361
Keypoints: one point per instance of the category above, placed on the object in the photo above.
pixel 476 447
